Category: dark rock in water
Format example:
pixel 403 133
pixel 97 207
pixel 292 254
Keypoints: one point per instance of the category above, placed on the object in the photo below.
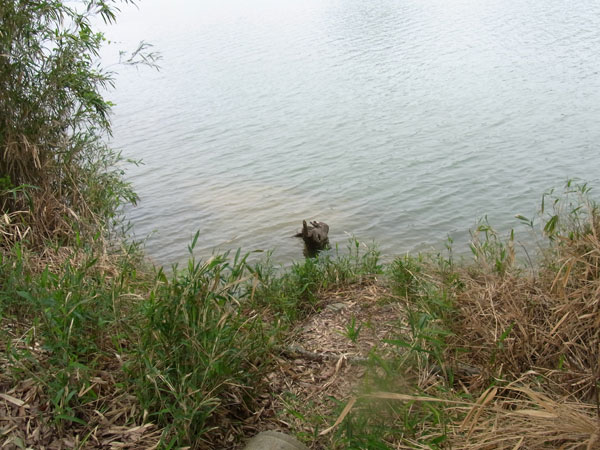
pixel 314 237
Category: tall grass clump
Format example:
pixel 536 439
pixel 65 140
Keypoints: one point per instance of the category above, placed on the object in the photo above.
pixel 546 322
pixel 65 326
pixel 523 344
pixel 201 358
pixel 212 329
pixel 57 175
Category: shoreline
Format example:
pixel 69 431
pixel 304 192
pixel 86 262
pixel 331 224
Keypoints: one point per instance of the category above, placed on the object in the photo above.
pixel 228 342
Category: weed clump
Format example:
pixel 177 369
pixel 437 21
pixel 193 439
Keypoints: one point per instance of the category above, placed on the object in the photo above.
pixel 200 360
pixel 521 346
pixel 291 295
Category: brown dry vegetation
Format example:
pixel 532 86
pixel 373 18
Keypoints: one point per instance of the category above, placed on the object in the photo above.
pixel 28 422
pixel 552 320
pixel 531 336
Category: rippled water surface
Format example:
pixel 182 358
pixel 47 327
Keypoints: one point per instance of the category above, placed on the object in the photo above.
pixel 399 121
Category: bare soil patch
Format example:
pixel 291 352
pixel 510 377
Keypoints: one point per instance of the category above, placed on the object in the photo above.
pixel 322 366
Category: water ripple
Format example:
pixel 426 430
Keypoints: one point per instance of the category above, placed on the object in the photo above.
pixel 395 120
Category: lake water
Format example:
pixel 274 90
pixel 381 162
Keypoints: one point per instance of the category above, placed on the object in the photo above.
pixel 399 121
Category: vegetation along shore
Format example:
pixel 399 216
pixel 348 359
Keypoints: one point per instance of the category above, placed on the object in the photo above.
pixel 100 349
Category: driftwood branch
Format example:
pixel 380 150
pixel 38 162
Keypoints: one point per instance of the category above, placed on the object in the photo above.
pixel 296 351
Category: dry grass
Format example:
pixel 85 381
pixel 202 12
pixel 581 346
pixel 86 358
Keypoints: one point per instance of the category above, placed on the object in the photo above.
pixel 517 416
pixel 27 418
pixel 536 339
pixel 512 324
pixel 113 421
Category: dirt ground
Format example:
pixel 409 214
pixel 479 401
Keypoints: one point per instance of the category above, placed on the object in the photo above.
pixel 323 365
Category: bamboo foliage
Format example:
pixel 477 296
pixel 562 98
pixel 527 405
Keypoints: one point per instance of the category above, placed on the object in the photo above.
pixel 53 162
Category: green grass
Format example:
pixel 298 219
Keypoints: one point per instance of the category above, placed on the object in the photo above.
pixel 207 337
pixel 69 319
pixel 193 345
pixel 293 293
pixel 198 348
pixel 352 329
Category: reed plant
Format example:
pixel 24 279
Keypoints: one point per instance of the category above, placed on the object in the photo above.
pixel 200 359
pixel 57 175
pixel 544 322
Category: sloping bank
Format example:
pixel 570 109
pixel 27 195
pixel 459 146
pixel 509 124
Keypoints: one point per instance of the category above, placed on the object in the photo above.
pixel 101 350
